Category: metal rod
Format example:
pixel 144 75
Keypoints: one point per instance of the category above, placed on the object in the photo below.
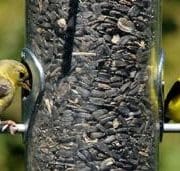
pixel 171 128
pixel 20 128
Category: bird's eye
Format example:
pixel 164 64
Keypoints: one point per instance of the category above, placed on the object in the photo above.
pixel 21 75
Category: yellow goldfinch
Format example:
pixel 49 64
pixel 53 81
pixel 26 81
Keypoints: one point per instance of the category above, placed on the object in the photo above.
pixel 172 103
pixel 13 74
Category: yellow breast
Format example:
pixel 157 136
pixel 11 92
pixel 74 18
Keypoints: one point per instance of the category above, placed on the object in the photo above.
pixel 174 109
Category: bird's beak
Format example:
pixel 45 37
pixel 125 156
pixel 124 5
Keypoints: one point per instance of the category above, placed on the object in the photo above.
pixel 25 85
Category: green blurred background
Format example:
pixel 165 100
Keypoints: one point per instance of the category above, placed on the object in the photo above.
pixel 170 147
pixel 12 41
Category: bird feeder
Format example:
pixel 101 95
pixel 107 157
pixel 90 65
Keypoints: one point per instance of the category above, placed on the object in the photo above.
pixel 101 65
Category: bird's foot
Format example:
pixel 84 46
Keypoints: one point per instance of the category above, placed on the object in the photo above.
pixel 9 124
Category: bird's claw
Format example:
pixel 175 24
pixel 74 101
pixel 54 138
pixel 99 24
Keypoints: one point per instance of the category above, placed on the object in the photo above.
pixel 9 124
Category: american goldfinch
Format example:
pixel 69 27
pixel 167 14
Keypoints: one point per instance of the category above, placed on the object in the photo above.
pixel 13 74
pixel 172 103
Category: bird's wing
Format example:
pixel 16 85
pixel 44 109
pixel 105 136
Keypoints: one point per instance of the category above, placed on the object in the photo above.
pixel 173 92
pixel 5 87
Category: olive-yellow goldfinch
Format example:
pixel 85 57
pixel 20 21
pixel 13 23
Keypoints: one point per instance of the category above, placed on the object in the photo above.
pixel 13 74
pixel 172 103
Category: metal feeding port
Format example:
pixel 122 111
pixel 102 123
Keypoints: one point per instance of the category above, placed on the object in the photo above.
pixel 32 100
pixel 160 92
pixel 164 127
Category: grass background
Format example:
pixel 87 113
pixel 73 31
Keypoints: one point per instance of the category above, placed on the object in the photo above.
pixel 12 41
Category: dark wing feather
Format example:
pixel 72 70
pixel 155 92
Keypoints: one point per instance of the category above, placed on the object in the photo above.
pixel 5 87
pixel 174 91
